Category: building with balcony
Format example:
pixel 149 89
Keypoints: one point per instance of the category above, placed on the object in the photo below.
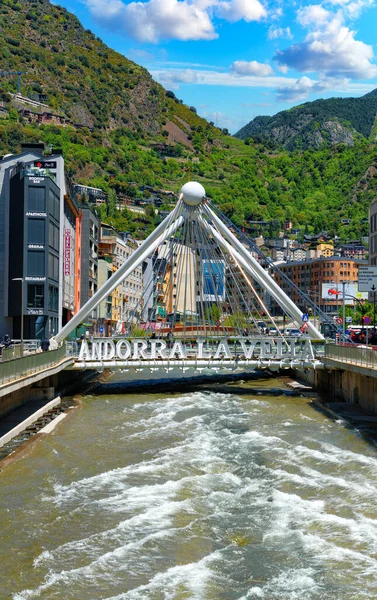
pixel 88 261
pixel 105 309
pixel 127 298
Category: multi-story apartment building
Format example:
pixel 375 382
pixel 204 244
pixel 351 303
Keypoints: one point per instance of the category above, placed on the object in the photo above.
pixel 38 236
pixel 309 276
pixel 105 309
pixel 88 261
pixel 47 244
pixel 127 298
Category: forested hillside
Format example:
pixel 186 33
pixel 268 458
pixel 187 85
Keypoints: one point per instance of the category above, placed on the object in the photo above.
pixel 139 134
pixel 316 124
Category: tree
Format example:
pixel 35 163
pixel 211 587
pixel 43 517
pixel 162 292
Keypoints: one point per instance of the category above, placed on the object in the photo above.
pixel 111 204
pixel 212 314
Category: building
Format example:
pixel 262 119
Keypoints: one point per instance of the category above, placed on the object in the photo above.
pixel 297 254
pixel 91 194
pixel 38 223
pixel 105 309
pixel 88 261
pixel 127 298
pixel 309 275
pixel 355 250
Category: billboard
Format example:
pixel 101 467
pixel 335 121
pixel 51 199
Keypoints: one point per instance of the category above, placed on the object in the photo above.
pixel 213 280
pixel 334 291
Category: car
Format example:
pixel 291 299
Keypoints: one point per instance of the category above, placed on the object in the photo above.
pixel 292 332
pixel 273 331
pixel 262 326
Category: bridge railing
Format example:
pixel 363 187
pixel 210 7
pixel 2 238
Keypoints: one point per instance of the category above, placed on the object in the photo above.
pixel 21 367
pixel 356 355
pixel 14 351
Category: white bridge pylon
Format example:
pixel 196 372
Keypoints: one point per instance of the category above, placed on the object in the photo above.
pixel 203 277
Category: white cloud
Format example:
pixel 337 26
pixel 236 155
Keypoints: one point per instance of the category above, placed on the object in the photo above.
pixel 150 21
pixel 217 78
pixel 351 8
pixel 275 33
pixel 236 10
pixel 183 20
pixel 283 68
pixel 242 68
pixel 313 15
pixel 173 78
pixel 330 48
pixel 304 86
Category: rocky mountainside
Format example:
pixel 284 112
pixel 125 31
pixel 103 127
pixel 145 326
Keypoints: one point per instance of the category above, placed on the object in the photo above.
pixel 69 69
pixel 316 124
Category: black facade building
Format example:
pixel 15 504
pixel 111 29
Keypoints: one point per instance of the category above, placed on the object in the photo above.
pixel 34 233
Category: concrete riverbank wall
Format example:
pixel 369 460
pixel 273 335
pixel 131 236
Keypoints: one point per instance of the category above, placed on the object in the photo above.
pixel 356 385
pixel 46 388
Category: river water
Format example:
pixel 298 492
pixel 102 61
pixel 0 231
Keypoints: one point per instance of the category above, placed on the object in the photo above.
pixel 199 495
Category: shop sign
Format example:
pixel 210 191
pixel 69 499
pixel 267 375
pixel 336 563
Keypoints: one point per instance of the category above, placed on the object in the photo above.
pixel 67 252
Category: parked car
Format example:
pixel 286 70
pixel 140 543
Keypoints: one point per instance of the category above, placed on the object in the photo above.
pixel 292 332
pixel 273 331
pixel 262 326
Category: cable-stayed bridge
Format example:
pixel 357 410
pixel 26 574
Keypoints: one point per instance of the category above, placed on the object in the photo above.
pixel 204 306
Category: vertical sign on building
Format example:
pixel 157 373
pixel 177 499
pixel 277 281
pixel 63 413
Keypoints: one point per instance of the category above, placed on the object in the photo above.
pixel 67 252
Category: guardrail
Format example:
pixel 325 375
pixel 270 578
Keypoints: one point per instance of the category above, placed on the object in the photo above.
pixel 20 367
pixel 14 351
pixel 356 355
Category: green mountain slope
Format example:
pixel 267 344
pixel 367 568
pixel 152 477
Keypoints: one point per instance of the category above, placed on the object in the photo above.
pixel 77 75
pixel 138 134
pixel 316 124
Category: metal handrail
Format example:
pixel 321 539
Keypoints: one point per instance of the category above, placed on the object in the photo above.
pixel 17 368
pixel 362 356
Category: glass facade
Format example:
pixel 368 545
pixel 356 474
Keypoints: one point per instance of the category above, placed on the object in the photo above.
pixel 35 296
pixel 36 199
pixel 36 231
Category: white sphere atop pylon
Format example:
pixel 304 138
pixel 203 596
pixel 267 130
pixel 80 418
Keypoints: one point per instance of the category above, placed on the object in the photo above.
pixel 192 193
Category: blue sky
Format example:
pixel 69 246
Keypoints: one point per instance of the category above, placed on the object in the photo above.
pixel 236 59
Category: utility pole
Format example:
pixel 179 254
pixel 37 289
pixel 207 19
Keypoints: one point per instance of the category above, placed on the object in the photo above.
pixel 344 307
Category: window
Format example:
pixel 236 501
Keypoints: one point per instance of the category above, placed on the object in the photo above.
pixel 35 296
pixel 37 199
pixel 36 264
pixel 53 202
pixel 53 298
pixel 53 267
pixel 36 231
pixel 53 235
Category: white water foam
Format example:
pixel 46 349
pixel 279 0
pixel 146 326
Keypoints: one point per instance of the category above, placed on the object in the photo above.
pixel 204 463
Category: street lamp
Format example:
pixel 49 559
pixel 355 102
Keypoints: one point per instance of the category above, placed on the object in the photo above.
pixel 22 312
pixel 344 296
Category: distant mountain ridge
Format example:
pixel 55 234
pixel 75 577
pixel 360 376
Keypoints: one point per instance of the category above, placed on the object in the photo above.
pixel 316 124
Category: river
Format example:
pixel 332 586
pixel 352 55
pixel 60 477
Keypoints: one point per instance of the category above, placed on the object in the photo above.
pixel 199 495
